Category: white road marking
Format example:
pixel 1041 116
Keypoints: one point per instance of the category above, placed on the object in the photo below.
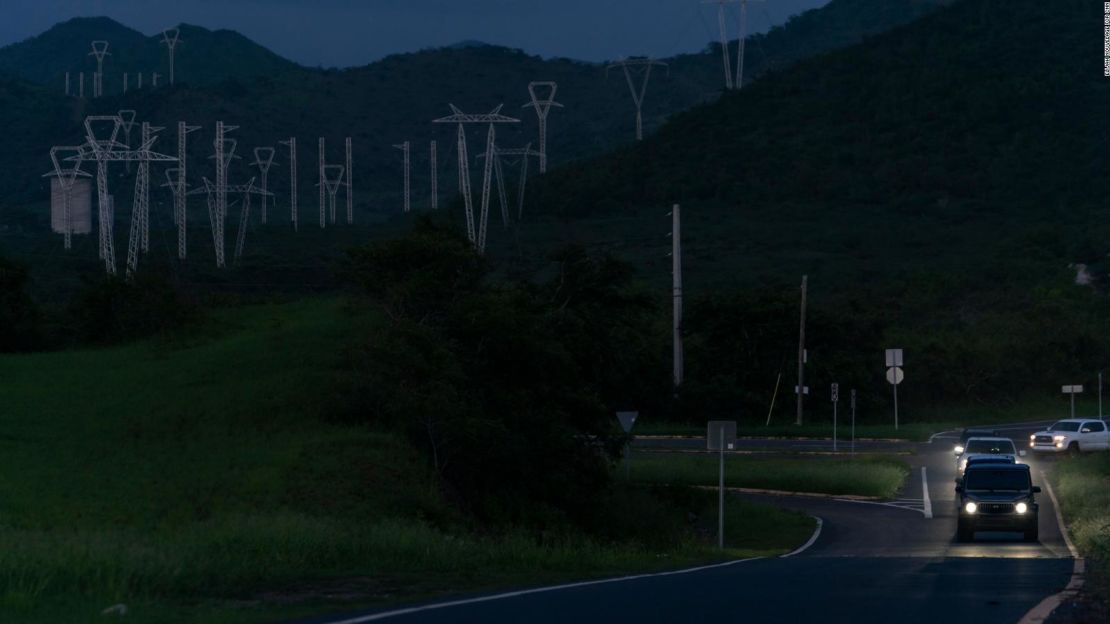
pixel 1059 516
pixel 942 435
pixel 1044 608
pixel 927 508
pixel 894 505
pixel 812 539
pixel 373 617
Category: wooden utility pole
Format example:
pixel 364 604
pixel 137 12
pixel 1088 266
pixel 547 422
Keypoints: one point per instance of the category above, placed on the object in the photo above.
pixel 802 351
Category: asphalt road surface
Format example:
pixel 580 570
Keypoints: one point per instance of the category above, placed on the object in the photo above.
pixel 872 562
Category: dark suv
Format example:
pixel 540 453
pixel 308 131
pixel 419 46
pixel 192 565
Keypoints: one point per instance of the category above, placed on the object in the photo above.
pixel 996 497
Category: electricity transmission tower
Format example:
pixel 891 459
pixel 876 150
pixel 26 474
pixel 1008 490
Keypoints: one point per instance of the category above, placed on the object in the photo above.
pixel 103 146
pixel 350 186
pixel 478 238
pixel 406 149
pixel 433 157
pixel 170 39
pixel 128 118
pixel 724 37
pixel 517 156
pixel 292 143
pixel 333 179
pixel 217 210
pixel 543 104
pixel 66 179
pixel 139 239
pixel 676 290
pixel 743 37
pixel 99 50
pixel 641 67
pixel 176 179
pixel 264 159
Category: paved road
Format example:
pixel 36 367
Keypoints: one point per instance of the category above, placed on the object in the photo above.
pixel 871 563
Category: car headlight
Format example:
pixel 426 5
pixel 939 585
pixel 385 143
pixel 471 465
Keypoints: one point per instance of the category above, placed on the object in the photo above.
pixel 959 449
pixel 1059 438
pixel 971 508
pixel 1021 508
pixel 1032 436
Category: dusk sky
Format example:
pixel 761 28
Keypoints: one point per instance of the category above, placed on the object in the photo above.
pixel 355 32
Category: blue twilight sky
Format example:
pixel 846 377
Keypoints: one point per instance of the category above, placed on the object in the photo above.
pixel 356 32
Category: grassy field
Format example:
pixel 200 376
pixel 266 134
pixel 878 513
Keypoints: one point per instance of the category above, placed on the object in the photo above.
pixel 1083 487
pixel 196 478
pixel 881 477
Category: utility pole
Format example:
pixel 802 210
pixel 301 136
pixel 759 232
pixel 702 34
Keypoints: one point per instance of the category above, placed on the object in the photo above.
pixel 542 104
pixel 405 149
pixel 81 86
pixel 170 37
pixel 1100 395
pixel 642 67
pixel 435 176
pixel 333 179
pixel 350 190
pixel 128 118
pixel 322 185
pixel 292 143
pixel 802 350
pixel 676 277
pixel 178 183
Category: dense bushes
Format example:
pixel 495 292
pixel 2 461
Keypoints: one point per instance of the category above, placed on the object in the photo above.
pixel 510 388
pixel 20 318
pixel 114 309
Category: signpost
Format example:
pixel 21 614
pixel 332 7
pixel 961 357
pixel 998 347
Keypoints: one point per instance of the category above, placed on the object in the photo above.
pixel 853 422
pixel 627 419
pixel 835 400
pixel 894 376
pixel 720 434
pixel 1073 390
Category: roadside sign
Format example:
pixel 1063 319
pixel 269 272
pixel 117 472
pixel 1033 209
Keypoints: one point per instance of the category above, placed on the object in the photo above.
pixel 1073 389
pixel 894 357
pixel 835 393
pixel 627 419
pixel 805 390
pixel 714 431
pixel 894 376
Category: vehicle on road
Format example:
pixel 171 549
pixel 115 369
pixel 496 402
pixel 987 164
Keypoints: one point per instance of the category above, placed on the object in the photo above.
pixel 971 433
pixel 1072 435
pixel 997 497
pixel 987 446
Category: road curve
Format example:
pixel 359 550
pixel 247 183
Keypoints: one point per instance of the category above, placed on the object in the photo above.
pixel 871 563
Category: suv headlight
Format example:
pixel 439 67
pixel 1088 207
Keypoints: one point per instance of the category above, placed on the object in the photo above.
pixel 1059 438
pixel 971 508
pixel 1032 436
pixel 1021 508
pixel 959 449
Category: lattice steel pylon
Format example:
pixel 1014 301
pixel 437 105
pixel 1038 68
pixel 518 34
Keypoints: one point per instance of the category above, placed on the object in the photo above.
pixel 99 50
pixel 350 188
pixel 523 154
pixel 724 37
pixel 292 143
pixel 170 38
pixel 478 238
pixel 433 157
pixel 139 239
pixel 264 159
pixel 128 118
pixel 66 179
pixel 406 149
pixel 225 153
pixel 102 145
pixel 543 105
pixel 333 179
pixel 743 38
pixel 180 187
pixel 643 67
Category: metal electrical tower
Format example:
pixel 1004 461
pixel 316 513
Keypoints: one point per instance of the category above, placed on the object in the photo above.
pixel 642 67
pixel 217 214
pixel 512 157
pixel 170 38
pixel 676 290
pixel 350 186
pixel 264 159
pixel 724 37
pixel 433 157
pixel 66 180
pixel 139 239
pixel 543 105
pixel 292 143
pixel 179 185
pixel 743 37
pixel 102 145
pixel 406 150
pixel 99 50
pixel 478 238
pixel 333 179
pixel 128 118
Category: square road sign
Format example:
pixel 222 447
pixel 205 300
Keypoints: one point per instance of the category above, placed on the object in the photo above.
pixel 713 434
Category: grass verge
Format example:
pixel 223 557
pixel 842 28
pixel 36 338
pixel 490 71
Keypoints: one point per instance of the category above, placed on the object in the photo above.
pixel 196 478
pixel 1083 488
pixel 876 476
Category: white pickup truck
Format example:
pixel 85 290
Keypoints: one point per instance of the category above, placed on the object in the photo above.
pixel 1073 435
